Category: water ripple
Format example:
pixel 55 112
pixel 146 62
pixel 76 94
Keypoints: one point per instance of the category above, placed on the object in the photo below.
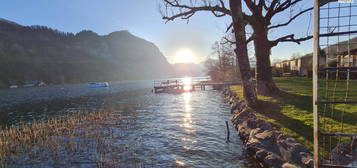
pixel 158 130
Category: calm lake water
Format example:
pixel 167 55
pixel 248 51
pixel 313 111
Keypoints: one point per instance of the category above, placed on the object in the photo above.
pixel 162 130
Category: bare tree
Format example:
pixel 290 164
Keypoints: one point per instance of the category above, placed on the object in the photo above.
pixel 213 70
pixel 259 17
pixel 216 47
pixel 225 54
pixel 219 10
pixel 263 11
pixel 242 52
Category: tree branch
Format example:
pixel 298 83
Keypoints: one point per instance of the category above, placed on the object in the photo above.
pixel 324 2
pixel 271 8
pixel 187 11
pixel 217 10
pixel 289 38
pixel 250 39
pixel 261 5
pixel 250 5
pixel 226 40
pixel 285 5
pixel 290 20
pixel 265 5
pixel 229 27
pixel 280 8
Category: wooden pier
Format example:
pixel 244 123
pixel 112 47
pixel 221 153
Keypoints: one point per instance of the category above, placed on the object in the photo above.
pixel 188 85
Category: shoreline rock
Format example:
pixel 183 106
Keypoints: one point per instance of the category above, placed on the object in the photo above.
pixel 268 146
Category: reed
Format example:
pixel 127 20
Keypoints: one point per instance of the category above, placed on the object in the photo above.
pixel 85 137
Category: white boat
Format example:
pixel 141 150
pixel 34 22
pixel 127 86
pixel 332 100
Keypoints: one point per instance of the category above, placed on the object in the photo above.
pixel 41 84
pixel 13 86
pixel 98 84
pixel 34 84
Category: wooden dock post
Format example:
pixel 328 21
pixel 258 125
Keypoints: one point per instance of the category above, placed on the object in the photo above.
pixel 176 87
pixel 227 140
pixel 315 62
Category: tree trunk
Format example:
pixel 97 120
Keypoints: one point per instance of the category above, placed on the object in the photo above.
pixel 241 52
pixel 263 73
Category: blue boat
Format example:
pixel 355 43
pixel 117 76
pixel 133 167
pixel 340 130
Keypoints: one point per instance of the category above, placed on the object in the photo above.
pixel 98 84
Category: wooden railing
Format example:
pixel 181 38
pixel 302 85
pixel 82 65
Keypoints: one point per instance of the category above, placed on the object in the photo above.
pixel 180 81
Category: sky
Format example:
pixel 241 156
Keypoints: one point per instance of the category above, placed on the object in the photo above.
pixel 142 18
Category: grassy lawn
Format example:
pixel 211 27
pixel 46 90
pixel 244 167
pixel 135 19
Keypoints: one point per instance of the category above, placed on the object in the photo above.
pixel 291 110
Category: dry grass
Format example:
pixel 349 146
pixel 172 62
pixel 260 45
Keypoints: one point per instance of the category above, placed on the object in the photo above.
pixel 85 137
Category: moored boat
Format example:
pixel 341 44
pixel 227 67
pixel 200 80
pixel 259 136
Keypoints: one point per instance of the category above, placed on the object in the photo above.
pixel 13 86
pixel 98 84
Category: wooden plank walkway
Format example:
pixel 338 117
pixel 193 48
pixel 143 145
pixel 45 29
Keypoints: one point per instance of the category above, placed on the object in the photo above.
pixel 179 86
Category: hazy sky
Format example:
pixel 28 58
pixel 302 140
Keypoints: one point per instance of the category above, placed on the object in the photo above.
pixel 142 18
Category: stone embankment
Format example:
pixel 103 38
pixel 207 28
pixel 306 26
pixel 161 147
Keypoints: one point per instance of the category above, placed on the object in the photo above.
pixel 268 146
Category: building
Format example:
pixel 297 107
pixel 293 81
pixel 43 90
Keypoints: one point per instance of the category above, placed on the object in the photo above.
pixel 301 66
pixel 343 54
pixel 304 66
pixel 346 59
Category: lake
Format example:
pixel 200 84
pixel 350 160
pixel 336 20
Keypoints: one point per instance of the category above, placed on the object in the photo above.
pixel 157 130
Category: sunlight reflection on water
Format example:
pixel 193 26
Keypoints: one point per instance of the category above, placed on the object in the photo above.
pixel 187 120
pixel 187 83
pixel 162 130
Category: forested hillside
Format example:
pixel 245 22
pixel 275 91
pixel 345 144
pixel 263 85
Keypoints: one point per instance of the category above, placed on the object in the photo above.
pixel 41 53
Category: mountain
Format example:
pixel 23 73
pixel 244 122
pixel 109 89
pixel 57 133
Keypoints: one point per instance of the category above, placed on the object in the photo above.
pixel 40 53
pixel 189 69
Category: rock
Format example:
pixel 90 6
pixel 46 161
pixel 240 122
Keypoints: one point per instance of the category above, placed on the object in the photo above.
pixel 307 160
pixel 264 125
pixel 261 134
pixel 234 106
pixel 341 154
pixel 245 127
pixel 241 106
pixel 231 100
pixel 261 154
pixel 263 140
pixel 273 161
pixel 245 114
pixel 290 151
pixel 288 165
pixel 225 91
pixel 271 148
pixel 354 143
pixel 309 163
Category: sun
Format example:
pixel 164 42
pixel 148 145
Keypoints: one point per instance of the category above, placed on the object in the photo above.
pixel 184 55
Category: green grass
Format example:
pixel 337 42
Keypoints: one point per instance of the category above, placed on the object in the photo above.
pixel 290 111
